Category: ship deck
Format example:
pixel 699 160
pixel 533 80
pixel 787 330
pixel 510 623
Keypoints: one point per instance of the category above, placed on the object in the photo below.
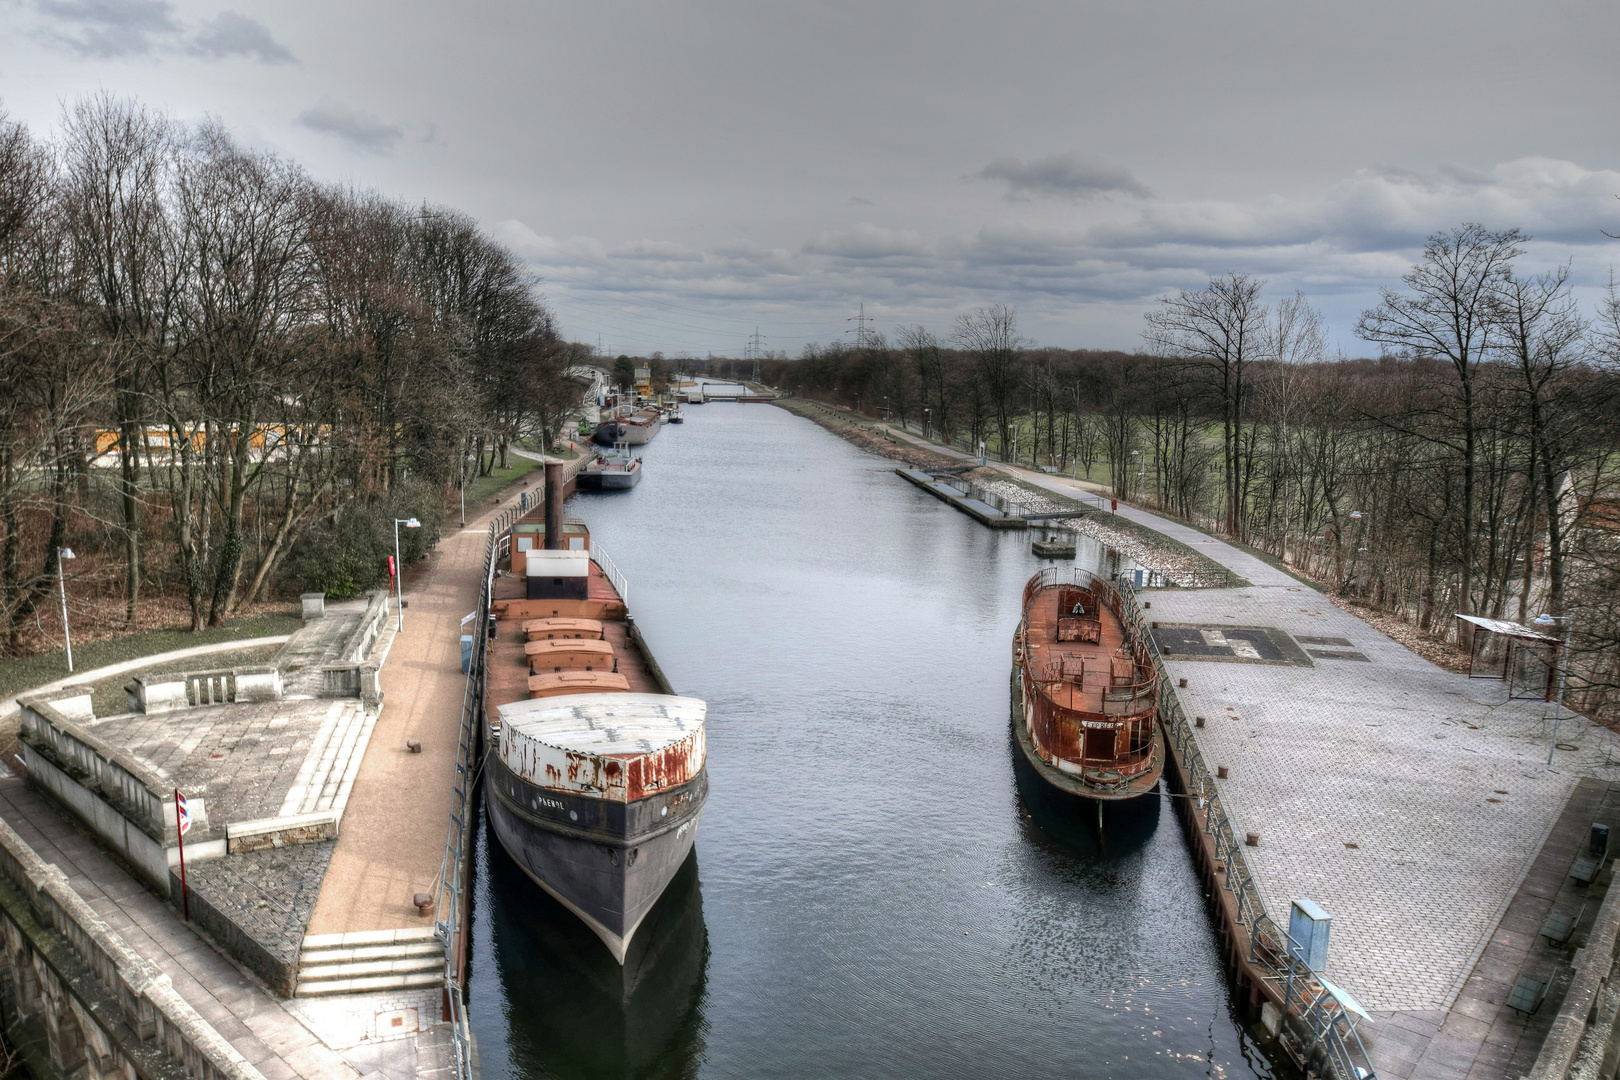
pixel 1047 654
pixel 508 668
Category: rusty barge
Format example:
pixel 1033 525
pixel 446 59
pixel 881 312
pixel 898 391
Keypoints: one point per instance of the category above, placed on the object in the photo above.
pixel 597 776
pixel 1084 690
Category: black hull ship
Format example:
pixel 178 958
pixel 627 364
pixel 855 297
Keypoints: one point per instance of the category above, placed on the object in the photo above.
pixel 597 775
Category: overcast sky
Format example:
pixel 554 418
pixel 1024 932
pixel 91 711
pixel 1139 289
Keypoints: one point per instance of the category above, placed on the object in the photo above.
pixel 678 173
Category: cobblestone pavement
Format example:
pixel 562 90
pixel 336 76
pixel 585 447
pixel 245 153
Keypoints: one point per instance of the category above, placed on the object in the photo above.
pixel 246 761
pixel 269 895
pixel 1405 800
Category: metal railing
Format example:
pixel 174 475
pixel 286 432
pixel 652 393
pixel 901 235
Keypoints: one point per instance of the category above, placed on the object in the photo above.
pixel 619 581
pixel 452 900
pixel 1301 991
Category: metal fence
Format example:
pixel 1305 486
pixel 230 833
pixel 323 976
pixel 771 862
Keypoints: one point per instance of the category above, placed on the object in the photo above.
pixel 452 900
pixel 1330 1027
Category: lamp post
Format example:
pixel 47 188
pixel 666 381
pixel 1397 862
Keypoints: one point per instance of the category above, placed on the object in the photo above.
pixel 399 568
pixel 1141 474
pixel 1358 515
pixel 928 422
pixel 61 583
pixel 1547 622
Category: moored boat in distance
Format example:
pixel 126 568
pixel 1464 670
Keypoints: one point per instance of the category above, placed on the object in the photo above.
pixel 633 426
pixel 597 774
pixel 618 471
pixel 1085 690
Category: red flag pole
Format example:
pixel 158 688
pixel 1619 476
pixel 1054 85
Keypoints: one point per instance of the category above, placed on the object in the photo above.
pixel 180 836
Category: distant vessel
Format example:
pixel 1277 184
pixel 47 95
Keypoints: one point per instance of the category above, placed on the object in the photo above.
pixel 618 471
pixel 1085 690
pixel 632 426
pixel 676 416
pixel 598 773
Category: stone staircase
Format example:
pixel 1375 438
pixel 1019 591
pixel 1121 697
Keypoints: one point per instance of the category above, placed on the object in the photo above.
pixel 329 769
pixel 368 961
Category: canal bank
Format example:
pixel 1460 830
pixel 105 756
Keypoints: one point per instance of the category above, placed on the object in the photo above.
pixel 873 892
pixel 1416 805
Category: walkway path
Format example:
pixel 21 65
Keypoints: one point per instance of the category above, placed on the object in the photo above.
pixel 392 841
pixel 1410 802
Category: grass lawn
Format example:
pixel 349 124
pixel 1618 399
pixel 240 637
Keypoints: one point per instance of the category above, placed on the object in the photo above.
pixel 486 486
pixel 27 672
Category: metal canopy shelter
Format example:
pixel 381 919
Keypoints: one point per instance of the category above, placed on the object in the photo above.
pixel 1519 645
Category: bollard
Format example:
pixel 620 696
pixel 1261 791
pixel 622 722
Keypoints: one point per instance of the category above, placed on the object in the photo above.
pixel 414 746
pixel 1182 683
pixel 1220 772
pixel 1198 721
pixel 1252 840
pixel 423 901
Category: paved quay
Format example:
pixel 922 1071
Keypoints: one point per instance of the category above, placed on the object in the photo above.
pixel 1414 804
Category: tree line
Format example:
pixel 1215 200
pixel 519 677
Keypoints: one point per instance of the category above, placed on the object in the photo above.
pixel 1468 467
pixel 216 371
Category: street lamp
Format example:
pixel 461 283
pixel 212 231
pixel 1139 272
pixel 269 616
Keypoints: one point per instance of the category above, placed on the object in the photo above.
pixel 928 422
pixel 1547 622
pixel 1141 473
pixel 1358 515
pixel 399 568
pixel 61 583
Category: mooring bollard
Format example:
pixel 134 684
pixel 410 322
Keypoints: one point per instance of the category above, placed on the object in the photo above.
pixel 1220 772
pixel 1182 683
pixel 414 746
pixel 1198 721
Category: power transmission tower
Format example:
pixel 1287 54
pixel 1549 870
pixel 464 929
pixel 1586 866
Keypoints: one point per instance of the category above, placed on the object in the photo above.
pixel 862 334
pixel 755 351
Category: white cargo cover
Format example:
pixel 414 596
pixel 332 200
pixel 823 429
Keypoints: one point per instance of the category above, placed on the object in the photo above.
pixel 619 747
pixel 558 564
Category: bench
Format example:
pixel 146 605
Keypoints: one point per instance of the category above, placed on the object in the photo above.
pixel 1561 924
pixel 1589 864
pixel 1528 994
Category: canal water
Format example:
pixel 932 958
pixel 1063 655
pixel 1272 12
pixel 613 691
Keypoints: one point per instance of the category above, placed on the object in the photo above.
pixel 876 890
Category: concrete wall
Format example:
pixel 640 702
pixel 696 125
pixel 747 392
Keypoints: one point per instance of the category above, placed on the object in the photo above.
pixel 78 1001
pixel 140 851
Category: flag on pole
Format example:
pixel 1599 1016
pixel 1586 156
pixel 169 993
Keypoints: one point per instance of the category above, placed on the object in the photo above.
pixel 182 814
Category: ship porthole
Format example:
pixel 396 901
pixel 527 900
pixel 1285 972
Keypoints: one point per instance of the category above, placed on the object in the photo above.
pixel 573 815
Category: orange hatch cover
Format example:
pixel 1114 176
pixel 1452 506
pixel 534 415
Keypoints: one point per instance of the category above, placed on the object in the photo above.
pixel 546 629
pixel 569 653
pixel 556 684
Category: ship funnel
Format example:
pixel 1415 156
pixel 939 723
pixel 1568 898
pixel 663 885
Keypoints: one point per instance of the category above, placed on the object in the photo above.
pixel 554 505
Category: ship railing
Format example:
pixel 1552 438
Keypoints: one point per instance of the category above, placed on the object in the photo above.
pixel 452 911
pixel 620 583
pixel 1268 943
pixel 1062 575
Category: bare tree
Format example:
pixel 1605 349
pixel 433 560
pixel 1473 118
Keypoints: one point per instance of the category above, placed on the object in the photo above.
pixel 990 337
pixel 1221 326
pixel 1450 310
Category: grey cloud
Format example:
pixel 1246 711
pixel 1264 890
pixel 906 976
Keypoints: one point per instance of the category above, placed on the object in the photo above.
pixel 111 28
pixel 1339 246
pixel 1062 176
pixel 360 130
pixel 232 34
pixel 856 200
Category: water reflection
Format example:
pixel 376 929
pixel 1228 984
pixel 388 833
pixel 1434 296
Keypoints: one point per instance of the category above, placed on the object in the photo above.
pixel 583 1015
pixel 1091 830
